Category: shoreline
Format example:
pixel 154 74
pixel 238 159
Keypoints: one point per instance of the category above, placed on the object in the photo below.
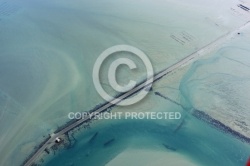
pixel 201 115
pixel 64 129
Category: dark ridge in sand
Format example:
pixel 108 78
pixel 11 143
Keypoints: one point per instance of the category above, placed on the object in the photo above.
pixel 217 124
pixel 208 119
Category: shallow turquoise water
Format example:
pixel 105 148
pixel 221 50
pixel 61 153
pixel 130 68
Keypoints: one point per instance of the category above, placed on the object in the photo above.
pixel 203 144
pixel 216 85
pixel 48 49
pixel 219 84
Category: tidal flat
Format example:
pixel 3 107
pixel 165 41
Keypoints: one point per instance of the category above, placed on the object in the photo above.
pixel 48 49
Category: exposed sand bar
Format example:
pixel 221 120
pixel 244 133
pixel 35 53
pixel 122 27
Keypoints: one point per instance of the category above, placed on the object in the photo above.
pixel 149 158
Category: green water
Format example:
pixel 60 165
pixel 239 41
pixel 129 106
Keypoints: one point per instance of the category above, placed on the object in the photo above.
pixel 217 84
pixel 203 144
pixel 48 49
